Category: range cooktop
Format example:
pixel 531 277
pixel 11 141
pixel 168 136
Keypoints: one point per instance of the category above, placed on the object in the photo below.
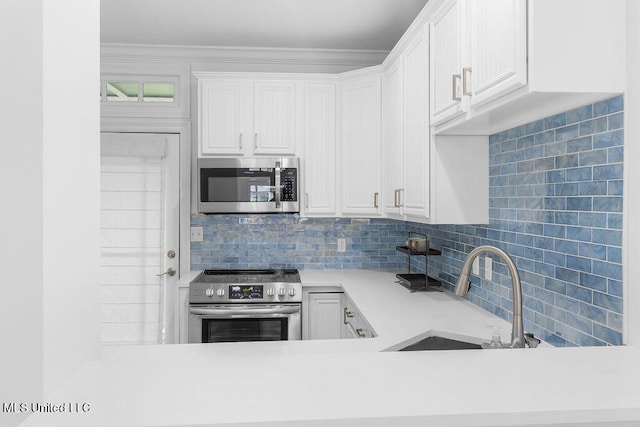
pixel 250 276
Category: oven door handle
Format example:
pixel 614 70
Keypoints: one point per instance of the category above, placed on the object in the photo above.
pixel 226 312
pixel 278 183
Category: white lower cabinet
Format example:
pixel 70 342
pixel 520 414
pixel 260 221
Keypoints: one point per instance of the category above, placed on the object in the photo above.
pixel 323 316
pixel 330 314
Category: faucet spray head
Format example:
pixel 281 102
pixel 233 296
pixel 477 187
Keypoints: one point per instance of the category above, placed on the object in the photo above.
pixel 463 283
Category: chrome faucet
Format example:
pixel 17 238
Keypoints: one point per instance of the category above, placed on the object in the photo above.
pixel 518 337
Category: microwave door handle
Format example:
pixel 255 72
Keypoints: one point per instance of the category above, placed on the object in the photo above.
pixel 278 189
pixel 225 312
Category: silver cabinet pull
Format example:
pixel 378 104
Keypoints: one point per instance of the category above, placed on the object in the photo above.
pixel 400 200
pixel 360 332
pixel 396 203
pixel 240 143
pixel 170 271
pixel 255 140
pixel 347 314
pixel 465 81
pixel 456 78
pixel 375 199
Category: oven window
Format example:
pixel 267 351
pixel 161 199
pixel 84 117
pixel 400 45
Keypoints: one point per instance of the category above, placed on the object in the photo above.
pixel 237 330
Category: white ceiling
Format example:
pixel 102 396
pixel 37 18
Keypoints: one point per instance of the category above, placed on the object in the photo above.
pixel 303 24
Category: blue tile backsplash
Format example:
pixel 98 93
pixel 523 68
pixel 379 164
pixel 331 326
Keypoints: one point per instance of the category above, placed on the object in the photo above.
pixel 555 206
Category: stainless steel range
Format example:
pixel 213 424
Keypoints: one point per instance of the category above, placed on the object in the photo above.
pixel 245 305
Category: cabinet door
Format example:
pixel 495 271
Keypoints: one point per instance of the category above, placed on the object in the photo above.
pixel 275 118
pixel 415 197
pixel 498 45
pixel 224 122
pixel 324 316
pixel 320 149
pixel 361 146
pixel 446 70
pixel 392 136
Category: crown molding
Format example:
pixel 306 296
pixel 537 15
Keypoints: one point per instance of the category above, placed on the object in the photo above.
pixel 240 55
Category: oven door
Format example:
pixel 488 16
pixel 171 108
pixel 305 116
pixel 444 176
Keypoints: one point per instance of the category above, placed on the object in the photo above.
pixel 244 322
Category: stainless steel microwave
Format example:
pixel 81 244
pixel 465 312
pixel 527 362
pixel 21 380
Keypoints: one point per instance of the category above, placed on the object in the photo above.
pixel 248 185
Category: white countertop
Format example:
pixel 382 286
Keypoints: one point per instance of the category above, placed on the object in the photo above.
pixel 352 382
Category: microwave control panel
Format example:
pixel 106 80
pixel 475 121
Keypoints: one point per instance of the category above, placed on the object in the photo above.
pixel 289 182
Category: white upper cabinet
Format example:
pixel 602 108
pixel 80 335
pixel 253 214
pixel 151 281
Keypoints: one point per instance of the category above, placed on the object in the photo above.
pixel 521 60
pixel 247 116
pixel 393 137
pixel 274 118
pixel 446 36
pixel 319 159
pixel 498 49
pixel 405 127
pixel 360 144
pixel 224 116
pixel 415 195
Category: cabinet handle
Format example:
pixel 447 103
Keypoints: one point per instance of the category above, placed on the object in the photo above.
pixel 240 144
pixel 360 332
pixel 396 203
pixel 375 200
pixel 400 200
pixel 255 140
pixel 456 78
pixel 306 200
pixel 465 81
pixel 347 314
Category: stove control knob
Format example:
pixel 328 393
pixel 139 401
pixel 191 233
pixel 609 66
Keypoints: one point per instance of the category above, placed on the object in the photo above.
pixel 292 292
pixel 220 292
pixel 209 293
pixel 282 292
pixel 271 292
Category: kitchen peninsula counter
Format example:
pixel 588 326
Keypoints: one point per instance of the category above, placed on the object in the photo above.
pixel 355 382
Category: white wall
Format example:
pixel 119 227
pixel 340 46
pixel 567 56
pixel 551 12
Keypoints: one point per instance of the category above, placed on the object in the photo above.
pixel 21 349
pixel 71 194
pixel 631 243
pixel 49 181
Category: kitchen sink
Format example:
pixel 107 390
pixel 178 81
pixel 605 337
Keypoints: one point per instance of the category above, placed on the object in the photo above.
pixel 440 343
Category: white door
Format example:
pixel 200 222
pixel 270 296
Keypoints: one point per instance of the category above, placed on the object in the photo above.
pixel 140 236
pixel 274 118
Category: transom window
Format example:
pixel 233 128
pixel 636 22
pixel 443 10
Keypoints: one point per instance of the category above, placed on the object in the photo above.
pixel 121 90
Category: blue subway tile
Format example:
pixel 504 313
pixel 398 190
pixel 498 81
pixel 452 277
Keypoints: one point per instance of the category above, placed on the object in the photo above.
pixel 567 132
pixel 608 139
pixel 607 204
pixel 555 176
pixel 615 288
pixel 566 217
pixel 614 221
pixel 590 281
pixel 579 233
pixel 616 121
pixel 593 313
pixel 579 174
pixel 593 157
pixel 515 132
pixel 567 275
pixel 594 126
pixel 593 251
pixel 614 254
pixel 608 302
pixel 592 188
pixel 579 203
pixel 607 269
pixel 567 161
pixel 567 247
pixel 566 189
pixel 580 293
pixel 580 144
pixel 607 237
pixel 615 154
pixel 580 114
pixel 588 219
pixel 580 323
pixel 534 127
pixel 607 334
pixel 578 263
pixel 614 171
pixel 552 230
pixel 555 121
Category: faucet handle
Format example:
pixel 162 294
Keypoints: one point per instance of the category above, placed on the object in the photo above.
pixel 530 340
